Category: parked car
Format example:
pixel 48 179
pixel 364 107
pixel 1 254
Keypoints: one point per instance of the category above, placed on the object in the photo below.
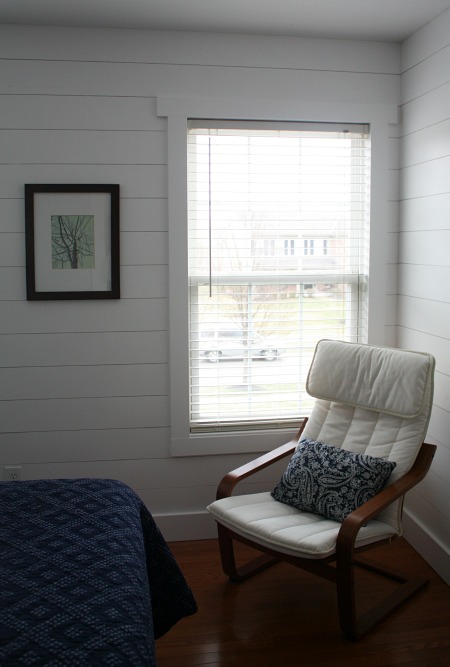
pixel 232 344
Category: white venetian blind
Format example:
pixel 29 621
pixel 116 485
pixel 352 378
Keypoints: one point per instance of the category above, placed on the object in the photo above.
pixel 278 258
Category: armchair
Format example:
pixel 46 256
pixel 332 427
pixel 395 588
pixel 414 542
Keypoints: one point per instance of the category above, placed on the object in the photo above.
pixel 374 403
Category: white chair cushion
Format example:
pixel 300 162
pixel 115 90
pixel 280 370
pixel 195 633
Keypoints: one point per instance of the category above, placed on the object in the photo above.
pixel 286 529
pixel 375 378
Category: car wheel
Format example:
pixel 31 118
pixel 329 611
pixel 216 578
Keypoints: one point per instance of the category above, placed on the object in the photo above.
pixel 270 355
pixel 213 356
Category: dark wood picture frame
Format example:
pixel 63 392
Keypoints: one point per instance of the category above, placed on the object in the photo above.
pixel 72 226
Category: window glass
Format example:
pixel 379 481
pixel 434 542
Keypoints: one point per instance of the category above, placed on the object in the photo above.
pixel 278 254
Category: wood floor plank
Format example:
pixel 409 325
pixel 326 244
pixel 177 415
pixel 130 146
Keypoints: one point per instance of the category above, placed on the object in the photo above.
pixel 286 617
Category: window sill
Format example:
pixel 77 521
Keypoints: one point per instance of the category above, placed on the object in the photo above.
pixel 251 442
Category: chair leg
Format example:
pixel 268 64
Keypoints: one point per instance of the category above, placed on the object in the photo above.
pixel 228 559
pixel 356 628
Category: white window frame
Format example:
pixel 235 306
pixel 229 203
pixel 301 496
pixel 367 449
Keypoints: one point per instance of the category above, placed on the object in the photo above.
pixel 178 110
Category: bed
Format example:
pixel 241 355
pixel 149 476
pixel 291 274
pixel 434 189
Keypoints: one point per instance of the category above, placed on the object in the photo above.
pixel 86 578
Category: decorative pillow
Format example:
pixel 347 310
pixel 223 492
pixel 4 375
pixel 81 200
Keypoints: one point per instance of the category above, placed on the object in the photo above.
pixel 330 481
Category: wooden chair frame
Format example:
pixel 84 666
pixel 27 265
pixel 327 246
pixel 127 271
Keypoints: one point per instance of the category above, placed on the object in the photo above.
pixel 340 567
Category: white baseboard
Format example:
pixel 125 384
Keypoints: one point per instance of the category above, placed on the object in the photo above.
pixel 181 527
pixel 427 546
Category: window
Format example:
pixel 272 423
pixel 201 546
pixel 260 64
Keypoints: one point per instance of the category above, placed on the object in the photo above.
pixel 263 247
pixel 278 217
pixel 308 247
pixel 289 247
pixel 315 246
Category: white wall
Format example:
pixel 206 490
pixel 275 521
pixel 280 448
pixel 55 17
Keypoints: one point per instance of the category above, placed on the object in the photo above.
pixel 84 385
pixel 424 269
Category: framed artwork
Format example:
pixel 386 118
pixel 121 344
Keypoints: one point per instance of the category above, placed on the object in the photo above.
pixel 72 241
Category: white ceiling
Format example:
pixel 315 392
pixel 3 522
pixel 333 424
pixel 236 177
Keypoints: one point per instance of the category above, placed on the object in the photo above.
pixel 383 20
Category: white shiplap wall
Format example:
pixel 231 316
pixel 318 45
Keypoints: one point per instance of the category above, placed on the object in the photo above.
pixel 424 268
pixel 84 385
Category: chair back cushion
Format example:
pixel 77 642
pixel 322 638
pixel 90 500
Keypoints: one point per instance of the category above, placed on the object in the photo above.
pixel 380 379
pixel 371 400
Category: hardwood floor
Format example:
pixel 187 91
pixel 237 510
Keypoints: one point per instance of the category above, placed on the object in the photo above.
pixel 285 617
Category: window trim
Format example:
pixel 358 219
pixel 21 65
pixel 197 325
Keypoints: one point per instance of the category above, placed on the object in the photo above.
pixel 177 111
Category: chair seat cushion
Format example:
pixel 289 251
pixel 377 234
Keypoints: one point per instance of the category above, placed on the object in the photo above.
pixel 330 481
pixel 272 524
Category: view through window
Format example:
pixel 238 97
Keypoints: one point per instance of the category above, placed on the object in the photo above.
pixel 278 258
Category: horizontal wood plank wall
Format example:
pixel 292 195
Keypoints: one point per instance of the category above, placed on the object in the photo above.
pixel 84 385
pixel 424 268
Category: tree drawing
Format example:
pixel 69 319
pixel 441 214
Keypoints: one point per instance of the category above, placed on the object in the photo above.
pixel 73 241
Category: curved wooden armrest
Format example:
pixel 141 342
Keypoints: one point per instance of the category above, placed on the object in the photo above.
pixel 227 483
pixel 353 522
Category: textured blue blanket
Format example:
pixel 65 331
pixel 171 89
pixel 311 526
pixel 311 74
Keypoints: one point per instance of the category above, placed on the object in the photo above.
pixel 86 578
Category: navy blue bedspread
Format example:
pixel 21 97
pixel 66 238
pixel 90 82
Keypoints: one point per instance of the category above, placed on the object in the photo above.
pixel 86 578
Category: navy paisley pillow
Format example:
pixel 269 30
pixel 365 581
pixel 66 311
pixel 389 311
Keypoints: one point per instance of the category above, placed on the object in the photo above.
pixel 330 481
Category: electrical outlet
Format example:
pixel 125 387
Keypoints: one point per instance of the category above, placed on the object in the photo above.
pixel 12 473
